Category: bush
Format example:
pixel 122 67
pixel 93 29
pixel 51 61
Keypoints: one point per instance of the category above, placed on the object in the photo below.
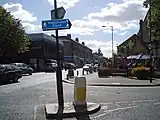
pixel 140 72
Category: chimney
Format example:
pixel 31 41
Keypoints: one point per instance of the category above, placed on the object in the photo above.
pixel 141 29
pixel 83 43
pixel 77 40
pixel 69 36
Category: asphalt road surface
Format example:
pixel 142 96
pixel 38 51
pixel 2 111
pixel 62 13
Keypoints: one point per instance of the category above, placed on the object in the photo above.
pixel 19 101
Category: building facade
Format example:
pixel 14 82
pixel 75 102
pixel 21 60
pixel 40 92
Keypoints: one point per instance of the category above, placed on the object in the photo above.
pixel 43 47
pixel 75 52
pixel 131 46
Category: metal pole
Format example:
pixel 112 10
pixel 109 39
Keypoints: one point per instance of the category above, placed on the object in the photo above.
pixel 59 70
pixel 150 43
pixel 112 45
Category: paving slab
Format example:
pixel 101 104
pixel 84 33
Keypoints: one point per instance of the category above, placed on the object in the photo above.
pixel 51 111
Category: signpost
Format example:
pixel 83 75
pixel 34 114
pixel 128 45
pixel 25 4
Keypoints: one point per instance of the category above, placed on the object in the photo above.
pixel 60 13
pixel 56 23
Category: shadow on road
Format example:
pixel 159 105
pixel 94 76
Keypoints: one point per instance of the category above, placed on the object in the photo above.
pixel 80 109
pixel 8 83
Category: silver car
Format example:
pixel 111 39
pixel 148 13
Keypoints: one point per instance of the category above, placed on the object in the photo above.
pixel 50 67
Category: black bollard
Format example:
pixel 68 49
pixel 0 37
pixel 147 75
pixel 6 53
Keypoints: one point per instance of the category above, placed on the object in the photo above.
pixel 67 77
pixel 83 72
pixel 77 73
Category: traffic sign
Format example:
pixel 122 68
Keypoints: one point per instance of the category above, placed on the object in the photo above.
pixel 60 13
pixel 56 24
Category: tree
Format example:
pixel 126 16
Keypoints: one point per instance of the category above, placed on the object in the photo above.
pixel 155 17
pixel 100 52
pixel 13 39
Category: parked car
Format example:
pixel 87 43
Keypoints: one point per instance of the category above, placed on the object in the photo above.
pixel 24 68
pixel 95 67
pixel 9 73
pixel 69 66
pixel 17 70
pixel 88 67
pixel 50 67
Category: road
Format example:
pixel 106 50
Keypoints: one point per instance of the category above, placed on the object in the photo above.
pixel 20 100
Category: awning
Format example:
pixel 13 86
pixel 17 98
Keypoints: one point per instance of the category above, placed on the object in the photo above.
pixel 68 58
pixel 145 57
pixel 132 57
pixel 139 56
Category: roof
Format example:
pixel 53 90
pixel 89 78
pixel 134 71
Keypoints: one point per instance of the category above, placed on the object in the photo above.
pixel 65 38
pixel 128 39
pixel 39 36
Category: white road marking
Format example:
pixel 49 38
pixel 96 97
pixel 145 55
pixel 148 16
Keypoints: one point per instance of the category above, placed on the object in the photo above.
pixel 158 103
pixel 105 106
pixel 34 111
pixel 135 101
pixel 115 83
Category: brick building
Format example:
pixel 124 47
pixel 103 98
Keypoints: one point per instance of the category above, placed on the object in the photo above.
pixel 131 46
pixel 75 52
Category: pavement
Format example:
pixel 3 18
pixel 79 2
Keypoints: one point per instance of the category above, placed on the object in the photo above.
pixel 23 100
pixel 94 80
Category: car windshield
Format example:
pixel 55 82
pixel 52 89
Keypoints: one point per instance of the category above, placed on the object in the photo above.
pixel 19 65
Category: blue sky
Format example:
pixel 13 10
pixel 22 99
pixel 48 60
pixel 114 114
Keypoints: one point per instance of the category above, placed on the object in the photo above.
pixel 87 17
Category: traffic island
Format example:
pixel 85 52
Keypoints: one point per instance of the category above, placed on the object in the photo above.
pixel 70 110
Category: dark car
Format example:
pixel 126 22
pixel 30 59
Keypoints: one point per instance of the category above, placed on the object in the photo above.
pixel 24 68
pixel 9 73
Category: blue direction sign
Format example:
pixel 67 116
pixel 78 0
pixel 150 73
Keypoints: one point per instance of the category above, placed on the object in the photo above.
pixel 56 24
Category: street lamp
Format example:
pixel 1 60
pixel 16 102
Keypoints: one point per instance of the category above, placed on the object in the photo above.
pixel 112 41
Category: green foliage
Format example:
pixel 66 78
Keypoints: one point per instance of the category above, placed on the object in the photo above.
pixel 100 52
pixel 155 17
pixel 13 39
pixel 128 46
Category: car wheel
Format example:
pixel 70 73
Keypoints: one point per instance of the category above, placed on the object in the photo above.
pixel 15 80
pixel 30 73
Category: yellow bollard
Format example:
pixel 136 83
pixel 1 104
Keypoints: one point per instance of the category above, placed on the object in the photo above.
pixel 80 91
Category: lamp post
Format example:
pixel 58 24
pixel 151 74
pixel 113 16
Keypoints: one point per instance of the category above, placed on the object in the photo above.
pixel 112 42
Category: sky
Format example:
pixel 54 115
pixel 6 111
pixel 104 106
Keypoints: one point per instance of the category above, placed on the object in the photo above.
pixel 87 18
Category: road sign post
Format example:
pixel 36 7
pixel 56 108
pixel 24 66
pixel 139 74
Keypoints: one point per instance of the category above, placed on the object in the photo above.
pixel 56 23
pixel 59 70
pixel 60 13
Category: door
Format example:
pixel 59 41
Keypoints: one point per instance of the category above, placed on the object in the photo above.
pixel 25 68
pixel 9 73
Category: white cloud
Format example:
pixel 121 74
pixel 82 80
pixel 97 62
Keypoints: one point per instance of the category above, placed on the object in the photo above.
pixel 122 16
pixel 105 46
pixel 65 3
pixel 123 33
pixel 18 11
pixel 30 28
pixel 81 27
pixel 25 16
